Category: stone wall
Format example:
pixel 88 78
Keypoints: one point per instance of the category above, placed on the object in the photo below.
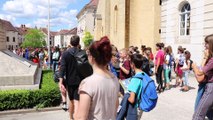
pixel 2 38
pixel 201 24
pixel 129 22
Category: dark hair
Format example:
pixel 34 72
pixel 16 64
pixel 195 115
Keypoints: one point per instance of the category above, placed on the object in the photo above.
pixel 209 41
pixel 101 50
pixel 181 49
pixel 166 49
pixel 160 45
pixel 188 55
pixel 74 40
pixel 143 47
pixel 137 60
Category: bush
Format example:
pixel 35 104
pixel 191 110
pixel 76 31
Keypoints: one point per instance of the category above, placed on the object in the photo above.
pixel 47 96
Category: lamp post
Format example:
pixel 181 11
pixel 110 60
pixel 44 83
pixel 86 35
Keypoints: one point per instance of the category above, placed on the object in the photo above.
pixel 49 54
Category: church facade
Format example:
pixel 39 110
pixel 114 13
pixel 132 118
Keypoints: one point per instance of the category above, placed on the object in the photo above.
pixel 128 22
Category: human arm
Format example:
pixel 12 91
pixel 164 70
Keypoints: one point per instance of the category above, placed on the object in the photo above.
pixel 131 98
pixel 62 73
pixel 157 65
pixel 83 106
pixel 133 88
pixel 198 73
pixel 125 67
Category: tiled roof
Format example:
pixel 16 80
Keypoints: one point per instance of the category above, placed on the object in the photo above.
pixel 22 29
pixel 72 31
pixel 8 26
pixel 91 4
pixel 45 31
pixel 62 32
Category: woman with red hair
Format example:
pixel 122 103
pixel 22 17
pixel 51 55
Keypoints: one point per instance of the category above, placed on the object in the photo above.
pixel 99 92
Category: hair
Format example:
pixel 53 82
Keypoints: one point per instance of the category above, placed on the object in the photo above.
pixel 143 47
pixel 74 40
pixel 137 60
pixel 160 45
pixel 209 41
pixel 181 49
pixel 166 49
pixel 188 55
pixel 170 49
pixel 101 50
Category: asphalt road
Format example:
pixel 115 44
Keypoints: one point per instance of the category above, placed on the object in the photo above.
pixel 172 105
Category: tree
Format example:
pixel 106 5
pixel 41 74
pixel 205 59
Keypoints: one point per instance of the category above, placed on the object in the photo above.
pixel 87 39
pixel 34 38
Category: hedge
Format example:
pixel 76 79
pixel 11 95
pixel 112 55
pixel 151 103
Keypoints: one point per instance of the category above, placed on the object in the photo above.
pixel 47 96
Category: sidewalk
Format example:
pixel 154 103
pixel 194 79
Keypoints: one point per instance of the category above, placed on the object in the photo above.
pixel 172 105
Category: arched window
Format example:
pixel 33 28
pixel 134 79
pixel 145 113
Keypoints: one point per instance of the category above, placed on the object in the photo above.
pixel 185 19
pixel 116 18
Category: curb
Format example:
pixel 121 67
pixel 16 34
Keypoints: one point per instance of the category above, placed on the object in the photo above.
pixel 22 111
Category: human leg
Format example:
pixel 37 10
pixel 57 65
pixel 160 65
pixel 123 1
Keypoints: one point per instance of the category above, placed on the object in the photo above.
pixel 205 103
pixel 74 98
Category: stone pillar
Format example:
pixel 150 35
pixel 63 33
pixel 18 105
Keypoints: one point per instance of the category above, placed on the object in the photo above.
pixel 2 37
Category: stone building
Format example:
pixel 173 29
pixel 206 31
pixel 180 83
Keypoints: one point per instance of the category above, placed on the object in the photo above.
pixel 11 32
pixel 2 37
pixel 62 38
pixel 86 19
pixel 52 36
pixel 129 22
pixel 186 23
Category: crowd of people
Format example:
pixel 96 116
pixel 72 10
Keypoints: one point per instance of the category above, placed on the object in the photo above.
pixel 91 95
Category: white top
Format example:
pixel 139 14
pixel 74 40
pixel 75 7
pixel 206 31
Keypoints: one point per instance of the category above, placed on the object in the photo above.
pixel 166 66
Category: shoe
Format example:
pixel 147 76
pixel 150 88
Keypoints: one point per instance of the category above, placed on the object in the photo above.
pixel 64 107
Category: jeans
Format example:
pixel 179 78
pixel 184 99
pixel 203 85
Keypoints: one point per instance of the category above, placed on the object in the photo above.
pixel 205 104
pixel 185 78
pixel 55 66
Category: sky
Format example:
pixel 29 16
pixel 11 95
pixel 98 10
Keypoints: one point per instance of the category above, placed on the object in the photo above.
pixel 35 13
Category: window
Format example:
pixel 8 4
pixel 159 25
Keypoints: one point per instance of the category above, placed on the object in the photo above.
pixel 14 39
pixel 185 20
pixel 116 18
pixel 8 39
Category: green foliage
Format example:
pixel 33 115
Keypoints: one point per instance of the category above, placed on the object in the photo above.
pixel 47 96
pixel 34 38
pixel 87 39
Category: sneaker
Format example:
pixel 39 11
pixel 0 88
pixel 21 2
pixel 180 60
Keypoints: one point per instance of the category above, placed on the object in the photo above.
pixel 64 107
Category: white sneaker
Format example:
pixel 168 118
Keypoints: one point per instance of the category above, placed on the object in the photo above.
pixel 64 107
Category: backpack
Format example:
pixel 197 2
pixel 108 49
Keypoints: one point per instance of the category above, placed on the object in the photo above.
pixel 181 60
pixel 190 68
pixel 84 69
pixel 171 60
pixel 148 97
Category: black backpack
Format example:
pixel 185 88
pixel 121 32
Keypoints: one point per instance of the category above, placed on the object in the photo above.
pixel 84 69
pixel 190 68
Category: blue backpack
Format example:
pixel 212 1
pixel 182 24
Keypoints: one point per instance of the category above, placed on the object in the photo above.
pixel 148 95
pixel 171 60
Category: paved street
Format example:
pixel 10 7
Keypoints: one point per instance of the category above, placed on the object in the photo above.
pixel 172 105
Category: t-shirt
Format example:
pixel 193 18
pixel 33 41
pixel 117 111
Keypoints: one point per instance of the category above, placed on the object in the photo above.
pixel 104 94
pixel 126 65
pixel 159 55
pixel 208 70
pixel 135 86
pixel 167 58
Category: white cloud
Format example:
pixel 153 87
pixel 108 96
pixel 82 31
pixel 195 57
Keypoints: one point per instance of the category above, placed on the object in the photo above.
pixel 7 17
pixel 38 11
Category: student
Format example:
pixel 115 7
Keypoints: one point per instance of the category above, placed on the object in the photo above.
pixel 135 86
pixel 99 92
pixel 125 69
pixel 205 74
